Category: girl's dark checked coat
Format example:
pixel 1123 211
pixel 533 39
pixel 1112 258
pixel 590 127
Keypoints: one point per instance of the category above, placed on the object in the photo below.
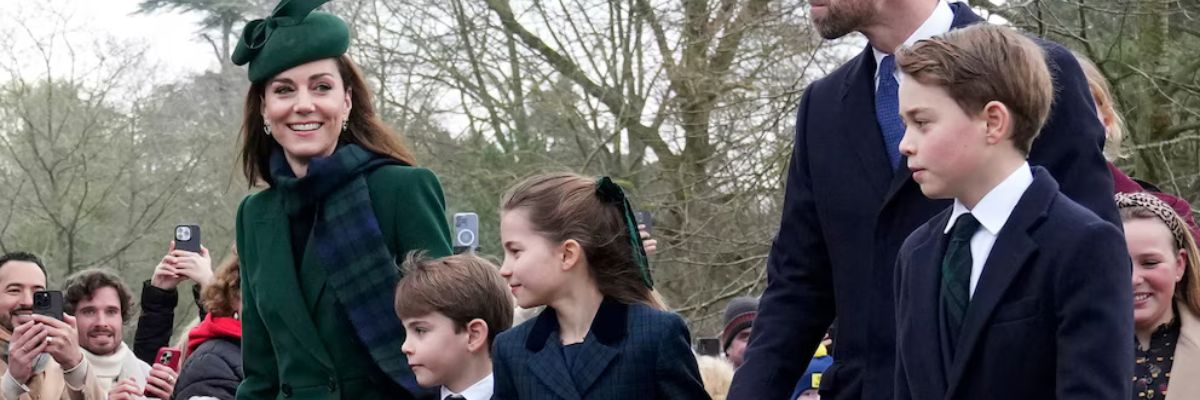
pixel 630 352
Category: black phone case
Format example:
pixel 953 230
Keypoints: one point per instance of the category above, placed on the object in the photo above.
pixel 708 346
pixel 52 308
pixel 192 244
pixel 644 218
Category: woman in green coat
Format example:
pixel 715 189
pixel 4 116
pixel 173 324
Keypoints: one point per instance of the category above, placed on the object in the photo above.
pixel 342 201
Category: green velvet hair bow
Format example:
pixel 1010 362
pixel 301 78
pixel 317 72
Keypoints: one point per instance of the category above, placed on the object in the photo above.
pixel 612 193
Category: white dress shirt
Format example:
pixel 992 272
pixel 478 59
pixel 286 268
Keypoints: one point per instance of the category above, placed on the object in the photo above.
pixel 992 212
pixel 481 390
pixel 939 22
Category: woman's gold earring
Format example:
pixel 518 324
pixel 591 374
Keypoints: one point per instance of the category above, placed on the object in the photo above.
pixel 345 124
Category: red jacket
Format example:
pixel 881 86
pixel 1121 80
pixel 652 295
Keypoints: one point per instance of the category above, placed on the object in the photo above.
pixel 214 327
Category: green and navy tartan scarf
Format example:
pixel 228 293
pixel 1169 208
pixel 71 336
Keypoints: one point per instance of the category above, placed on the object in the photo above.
pixel 350 246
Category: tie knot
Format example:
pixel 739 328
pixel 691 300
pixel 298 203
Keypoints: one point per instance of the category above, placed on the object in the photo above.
pixel 887 66
pixel 455 397
pixel 964 227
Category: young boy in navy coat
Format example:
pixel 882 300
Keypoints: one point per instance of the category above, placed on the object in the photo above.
pixel 1016 291
pixel 452 309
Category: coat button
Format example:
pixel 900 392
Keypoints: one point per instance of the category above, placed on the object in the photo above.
pixel 332 385
pixel 286 389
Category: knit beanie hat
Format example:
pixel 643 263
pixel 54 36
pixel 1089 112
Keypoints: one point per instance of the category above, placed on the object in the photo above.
pixel 739 315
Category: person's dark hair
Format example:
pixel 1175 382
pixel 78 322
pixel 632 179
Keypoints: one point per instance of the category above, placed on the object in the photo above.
pixel 563 206
pixel 22 256
pixel 83 284
pixel 365 128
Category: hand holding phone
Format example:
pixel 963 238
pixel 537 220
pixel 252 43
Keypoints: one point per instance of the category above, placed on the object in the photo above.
pixel 169 357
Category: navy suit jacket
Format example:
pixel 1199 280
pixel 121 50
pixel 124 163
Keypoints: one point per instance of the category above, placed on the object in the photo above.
pixel 846 213
pixel 631 352
pixel 1051 316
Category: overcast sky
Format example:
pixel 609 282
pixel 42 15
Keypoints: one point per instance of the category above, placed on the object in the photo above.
pixel 170 37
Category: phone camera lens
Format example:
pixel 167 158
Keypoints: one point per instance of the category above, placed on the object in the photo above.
pixel 183 233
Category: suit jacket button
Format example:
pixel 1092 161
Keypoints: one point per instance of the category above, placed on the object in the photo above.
pixel 286 389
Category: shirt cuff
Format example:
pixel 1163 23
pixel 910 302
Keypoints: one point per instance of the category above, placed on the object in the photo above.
pixel 11 388
pixel 76 377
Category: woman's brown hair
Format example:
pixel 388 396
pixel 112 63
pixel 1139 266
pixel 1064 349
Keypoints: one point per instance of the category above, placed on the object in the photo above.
pixel 364 128
pixel 563 206
pixel 221 296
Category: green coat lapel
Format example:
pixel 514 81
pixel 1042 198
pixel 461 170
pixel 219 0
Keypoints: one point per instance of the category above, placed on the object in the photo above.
pixel 278 281
pixel 312 276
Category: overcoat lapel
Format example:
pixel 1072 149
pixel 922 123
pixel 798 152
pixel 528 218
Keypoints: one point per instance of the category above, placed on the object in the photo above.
pixel 860 130
pixel 926 302
pixel 547 362
pixel 279 281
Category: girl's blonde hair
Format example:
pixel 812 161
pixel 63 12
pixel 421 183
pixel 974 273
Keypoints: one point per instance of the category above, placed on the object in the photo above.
pixel 182 339
pixel 565 206
pixel 1114 129
pixel 717 375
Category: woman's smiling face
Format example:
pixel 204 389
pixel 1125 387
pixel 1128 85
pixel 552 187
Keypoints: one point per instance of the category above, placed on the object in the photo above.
pixel 305 108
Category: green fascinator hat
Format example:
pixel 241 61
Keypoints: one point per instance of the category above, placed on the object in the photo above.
pixel 293 35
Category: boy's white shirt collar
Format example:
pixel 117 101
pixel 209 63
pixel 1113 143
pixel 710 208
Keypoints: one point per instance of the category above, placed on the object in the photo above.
pixel 481 390
pixel 939 22
pixel 995 207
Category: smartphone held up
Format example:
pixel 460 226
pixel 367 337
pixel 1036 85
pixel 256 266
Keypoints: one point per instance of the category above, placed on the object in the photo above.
pixel 187 238
pixel 48 303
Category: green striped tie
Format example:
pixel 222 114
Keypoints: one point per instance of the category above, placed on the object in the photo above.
pixel 956 274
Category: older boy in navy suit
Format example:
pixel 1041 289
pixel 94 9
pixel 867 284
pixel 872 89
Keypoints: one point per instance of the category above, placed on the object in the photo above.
pixel 1016 291
pixel 849 202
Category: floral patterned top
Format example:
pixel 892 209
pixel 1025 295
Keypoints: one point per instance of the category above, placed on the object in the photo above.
pixel 1152 370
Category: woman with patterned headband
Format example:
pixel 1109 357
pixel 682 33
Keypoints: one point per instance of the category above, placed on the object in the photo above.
pixel 318 246
pixel 1166 290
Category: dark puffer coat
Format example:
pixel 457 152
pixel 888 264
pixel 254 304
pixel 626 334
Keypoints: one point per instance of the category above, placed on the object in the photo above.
pixel 213 370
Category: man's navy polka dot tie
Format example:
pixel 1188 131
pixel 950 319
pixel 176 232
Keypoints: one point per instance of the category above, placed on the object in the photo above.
pixel 887 110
